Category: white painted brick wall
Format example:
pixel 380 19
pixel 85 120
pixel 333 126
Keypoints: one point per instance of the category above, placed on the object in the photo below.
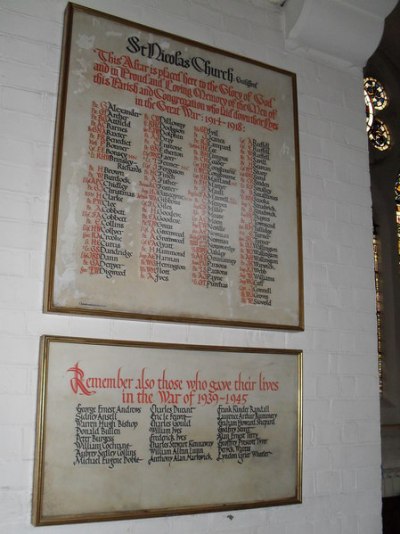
pixel 341 409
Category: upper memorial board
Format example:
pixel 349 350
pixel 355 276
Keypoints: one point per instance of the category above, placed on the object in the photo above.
pixel 176 188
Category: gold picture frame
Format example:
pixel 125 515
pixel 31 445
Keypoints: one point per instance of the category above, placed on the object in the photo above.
pixel 176 183
pixel 135 430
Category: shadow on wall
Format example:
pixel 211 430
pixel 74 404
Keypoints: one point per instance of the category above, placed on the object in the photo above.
pixel 391 515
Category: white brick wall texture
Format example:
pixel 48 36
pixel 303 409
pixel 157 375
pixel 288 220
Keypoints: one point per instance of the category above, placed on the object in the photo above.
pixel 342 485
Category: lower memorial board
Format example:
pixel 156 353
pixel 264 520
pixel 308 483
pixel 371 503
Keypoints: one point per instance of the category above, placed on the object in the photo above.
pixel 133 430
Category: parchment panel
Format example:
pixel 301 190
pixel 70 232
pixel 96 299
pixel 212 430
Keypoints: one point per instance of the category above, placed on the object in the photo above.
pixel 210 429
pixel 176 184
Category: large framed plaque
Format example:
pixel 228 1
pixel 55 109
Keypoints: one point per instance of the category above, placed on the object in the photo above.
pixel 176 190
pixel 129 430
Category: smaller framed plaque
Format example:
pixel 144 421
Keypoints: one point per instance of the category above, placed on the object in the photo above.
pixel 164 429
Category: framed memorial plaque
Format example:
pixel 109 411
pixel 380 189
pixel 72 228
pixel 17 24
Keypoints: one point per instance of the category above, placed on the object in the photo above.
pixel 129 430
pixel 176 190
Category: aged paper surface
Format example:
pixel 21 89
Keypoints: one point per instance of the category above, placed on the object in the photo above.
pixel 178 182
pixel 150 429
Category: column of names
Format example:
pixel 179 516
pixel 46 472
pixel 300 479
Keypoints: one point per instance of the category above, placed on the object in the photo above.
pixel 107 188
pixel 258 257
